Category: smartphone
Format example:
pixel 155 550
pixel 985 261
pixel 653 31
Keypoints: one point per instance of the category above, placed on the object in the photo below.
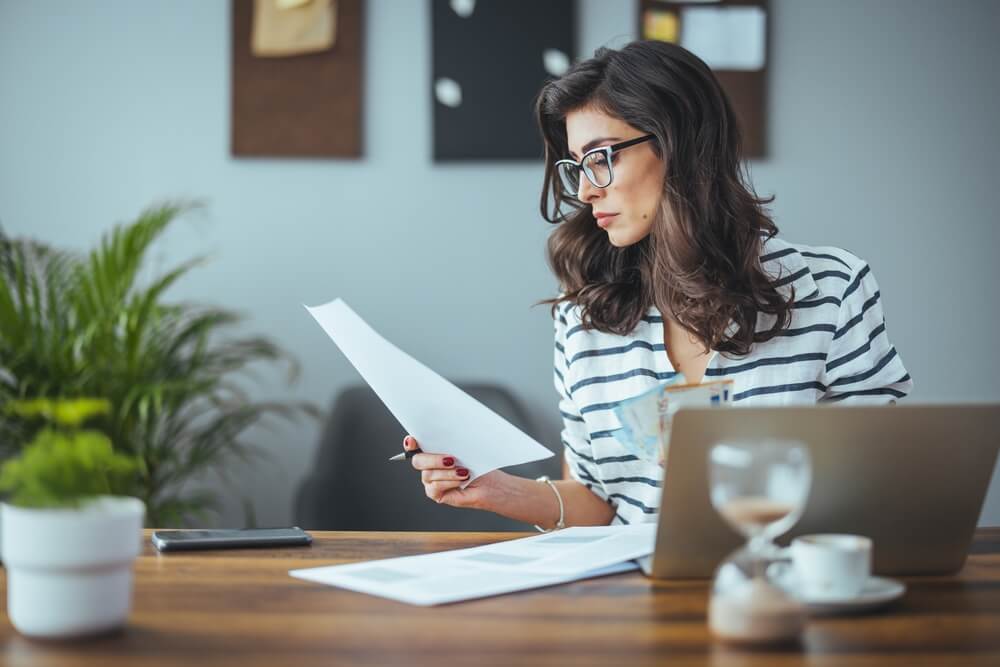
pixel 177 540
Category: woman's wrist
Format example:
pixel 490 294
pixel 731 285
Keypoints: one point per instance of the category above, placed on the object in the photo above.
pixel 524 500
pixel 534 503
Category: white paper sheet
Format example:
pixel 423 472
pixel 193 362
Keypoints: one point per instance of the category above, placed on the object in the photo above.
pixel 573 551
pixel 726 38
pixel 442 417
pixel 514 565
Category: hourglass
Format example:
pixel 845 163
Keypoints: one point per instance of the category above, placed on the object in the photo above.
pixel 760 488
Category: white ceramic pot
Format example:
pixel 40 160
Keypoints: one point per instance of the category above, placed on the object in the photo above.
pixel 69 571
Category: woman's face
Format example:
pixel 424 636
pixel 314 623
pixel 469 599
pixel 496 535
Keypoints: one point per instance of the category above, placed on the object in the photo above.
pixel 627 207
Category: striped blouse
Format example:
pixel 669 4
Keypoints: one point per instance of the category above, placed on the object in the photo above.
pixel 835 349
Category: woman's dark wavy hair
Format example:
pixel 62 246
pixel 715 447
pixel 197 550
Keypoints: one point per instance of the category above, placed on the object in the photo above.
pixel 700 263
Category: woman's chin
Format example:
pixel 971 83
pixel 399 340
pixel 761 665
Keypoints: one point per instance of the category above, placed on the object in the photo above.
pixel 620 238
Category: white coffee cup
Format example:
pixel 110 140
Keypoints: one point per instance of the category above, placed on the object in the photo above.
pixel 831 566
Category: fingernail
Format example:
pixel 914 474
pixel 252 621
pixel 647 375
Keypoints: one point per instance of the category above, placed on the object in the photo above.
pixel 406 441
pixel 462 472
pixel 448 461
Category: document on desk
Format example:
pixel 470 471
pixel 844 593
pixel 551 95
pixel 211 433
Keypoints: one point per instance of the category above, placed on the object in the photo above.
pixel 494 569
pixel 442 417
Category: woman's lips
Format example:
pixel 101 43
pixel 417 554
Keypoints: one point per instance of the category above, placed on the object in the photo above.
pixel 605 219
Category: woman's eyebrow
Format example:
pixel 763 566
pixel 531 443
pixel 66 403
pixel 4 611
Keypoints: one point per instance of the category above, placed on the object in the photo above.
pixel 591 144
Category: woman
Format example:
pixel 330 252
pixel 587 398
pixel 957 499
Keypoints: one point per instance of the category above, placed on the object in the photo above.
pixel 669 264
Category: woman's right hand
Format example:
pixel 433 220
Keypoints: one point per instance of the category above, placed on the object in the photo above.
pixel 443 475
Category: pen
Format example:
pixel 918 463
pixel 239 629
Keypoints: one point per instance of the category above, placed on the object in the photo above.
pixel 407 455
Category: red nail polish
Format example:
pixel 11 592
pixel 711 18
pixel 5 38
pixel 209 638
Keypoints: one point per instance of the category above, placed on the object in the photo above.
pixel 462 472
pixel 448 461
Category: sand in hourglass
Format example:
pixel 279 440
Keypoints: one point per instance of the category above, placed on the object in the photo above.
pixel 755 511
pixel 758 612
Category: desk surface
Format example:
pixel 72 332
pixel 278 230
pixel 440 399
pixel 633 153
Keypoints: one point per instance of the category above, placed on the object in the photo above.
pixel 242 608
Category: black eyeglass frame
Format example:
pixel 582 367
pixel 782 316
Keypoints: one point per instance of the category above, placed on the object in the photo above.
pixel 608 151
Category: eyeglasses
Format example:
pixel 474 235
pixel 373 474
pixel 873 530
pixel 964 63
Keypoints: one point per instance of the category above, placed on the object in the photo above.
pixel 596 164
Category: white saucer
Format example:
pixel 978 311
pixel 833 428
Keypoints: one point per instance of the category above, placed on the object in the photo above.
pixel 878 591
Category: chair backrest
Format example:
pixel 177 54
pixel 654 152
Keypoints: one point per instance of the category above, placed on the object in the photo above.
pixel 354 487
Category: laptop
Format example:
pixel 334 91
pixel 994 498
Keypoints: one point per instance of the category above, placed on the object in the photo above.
pixel 911 477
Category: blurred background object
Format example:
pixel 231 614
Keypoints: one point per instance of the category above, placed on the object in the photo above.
pixel 489 60
pixel 353 487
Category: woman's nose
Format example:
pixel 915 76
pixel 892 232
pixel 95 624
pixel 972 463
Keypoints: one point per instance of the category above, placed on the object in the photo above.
pixel 588 191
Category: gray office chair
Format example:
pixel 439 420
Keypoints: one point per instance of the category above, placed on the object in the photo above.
pixel 354 487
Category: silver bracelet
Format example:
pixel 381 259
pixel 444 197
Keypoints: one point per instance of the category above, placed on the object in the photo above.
pixel 561 523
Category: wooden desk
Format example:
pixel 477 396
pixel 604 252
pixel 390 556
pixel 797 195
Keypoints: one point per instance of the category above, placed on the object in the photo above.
pixel 241 608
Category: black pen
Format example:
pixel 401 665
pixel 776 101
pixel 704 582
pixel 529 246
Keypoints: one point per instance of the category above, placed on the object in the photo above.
pixel 407 455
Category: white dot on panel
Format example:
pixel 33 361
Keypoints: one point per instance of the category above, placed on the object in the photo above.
pixel 448 92
pixel 463 8
pixel 556 62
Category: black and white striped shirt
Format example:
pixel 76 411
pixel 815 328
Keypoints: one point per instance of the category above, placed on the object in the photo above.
pixel 835 349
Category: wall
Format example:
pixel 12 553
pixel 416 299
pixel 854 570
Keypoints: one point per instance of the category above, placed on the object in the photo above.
pixel 883 137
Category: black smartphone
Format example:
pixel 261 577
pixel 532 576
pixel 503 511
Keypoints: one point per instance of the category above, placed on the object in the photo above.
pixel 177 540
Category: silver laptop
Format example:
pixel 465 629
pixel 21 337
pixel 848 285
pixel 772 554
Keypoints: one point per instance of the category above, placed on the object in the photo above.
pixel 911 477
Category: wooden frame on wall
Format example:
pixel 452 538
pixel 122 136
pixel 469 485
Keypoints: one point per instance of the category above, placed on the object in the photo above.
pixel 299 106
pixel 746 88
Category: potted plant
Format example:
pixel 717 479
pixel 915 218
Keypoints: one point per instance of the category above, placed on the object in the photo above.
pixel 69 539
pixel 174 373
